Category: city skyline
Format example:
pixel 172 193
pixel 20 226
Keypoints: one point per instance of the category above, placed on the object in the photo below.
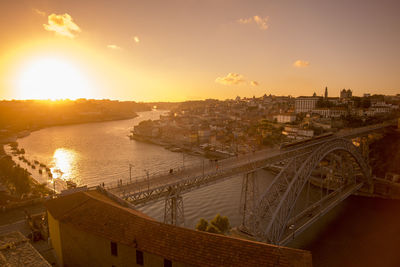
pixel 189 50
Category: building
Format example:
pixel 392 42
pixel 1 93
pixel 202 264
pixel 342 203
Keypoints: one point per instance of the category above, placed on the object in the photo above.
pixel 15 250
pixel 346 94
pixel 94 228
pixel 294 132
pixel 304 104
pixel 204 135
pixel 334 112
pixel 285 118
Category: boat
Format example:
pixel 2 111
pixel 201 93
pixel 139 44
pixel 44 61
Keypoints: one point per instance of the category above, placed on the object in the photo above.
pixel 71 184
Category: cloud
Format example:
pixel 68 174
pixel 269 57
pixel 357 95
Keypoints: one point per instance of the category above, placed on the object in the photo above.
pixel 136 39
pixel 231 79
pixel 254 83
pixel 62 25
pixel 301 64
pixel 114 47
pixel 245 21
pixel 260 21
pixel 39 12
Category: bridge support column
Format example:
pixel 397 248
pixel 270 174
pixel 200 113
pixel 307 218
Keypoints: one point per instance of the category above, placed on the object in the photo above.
pixel 364 145
pixel 248 200
pixel 173 211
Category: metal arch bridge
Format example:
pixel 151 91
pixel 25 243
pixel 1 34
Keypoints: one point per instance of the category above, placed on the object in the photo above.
pixel 275 217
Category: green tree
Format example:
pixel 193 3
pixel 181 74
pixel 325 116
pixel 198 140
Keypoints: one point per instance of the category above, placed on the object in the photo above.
pixel 202 225
pixel 221 222
pixel 213 229
pixel 218 225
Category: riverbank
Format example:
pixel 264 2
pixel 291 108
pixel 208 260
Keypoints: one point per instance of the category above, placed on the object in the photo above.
pixel 29 185
pixel 14 136
pixel 179 147
pixel 17 186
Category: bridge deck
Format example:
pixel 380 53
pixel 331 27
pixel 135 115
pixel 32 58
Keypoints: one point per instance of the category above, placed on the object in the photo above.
pixel 156 187
pixel 306 218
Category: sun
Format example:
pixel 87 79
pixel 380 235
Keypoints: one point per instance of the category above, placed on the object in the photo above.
pixel 52 78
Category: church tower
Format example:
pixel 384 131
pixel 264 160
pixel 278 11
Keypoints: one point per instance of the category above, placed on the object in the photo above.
pixel 326 92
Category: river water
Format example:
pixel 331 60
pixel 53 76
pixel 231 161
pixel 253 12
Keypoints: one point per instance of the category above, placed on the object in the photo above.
pixel 358 232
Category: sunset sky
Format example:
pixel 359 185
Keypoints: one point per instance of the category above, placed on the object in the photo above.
pixel 195 49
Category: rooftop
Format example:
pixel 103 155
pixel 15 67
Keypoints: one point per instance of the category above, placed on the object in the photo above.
pixel 15 250
pixel 94 212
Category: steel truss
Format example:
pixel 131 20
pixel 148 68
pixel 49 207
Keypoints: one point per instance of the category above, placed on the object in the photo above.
pixel 248 199
pixel 268 219
pixel 273 214
pixel 173 210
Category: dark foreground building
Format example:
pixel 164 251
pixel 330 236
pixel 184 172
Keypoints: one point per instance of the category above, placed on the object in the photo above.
pixel 93 229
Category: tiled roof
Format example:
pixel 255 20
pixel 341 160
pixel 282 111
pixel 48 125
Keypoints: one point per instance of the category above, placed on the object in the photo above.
pixel 94 212
pixel 15 250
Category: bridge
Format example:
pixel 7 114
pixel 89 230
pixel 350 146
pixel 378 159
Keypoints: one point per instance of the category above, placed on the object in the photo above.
pixel 313 177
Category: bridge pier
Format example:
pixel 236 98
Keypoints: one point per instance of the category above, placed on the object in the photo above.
pixel 248 200
pixel 364 146
pixel 173 210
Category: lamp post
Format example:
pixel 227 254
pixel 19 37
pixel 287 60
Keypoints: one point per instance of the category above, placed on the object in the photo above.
pixel 203 167
pixel 54 186
pixel 148 179
pixel 130 172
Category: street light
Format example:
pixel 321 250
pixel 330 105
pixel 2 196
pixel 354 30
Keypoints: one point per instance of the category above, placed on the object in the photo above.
pixel 203 167
pixel 148 179
pixel 130 172
pixel 54 186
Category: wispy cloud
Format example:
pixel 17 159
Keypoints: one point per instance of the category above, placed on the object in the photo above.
pixel 231 79
pixel 136 39
pixel 254 83
pixel 39 12
pixel 113 47
pixel 245 21
pixel 62 25
pixel 301 64
pixel 259 21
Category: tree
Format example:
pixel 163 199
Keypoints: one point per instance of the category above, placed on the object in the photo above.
pixel 213 229
pixel 221 222
pixel 202 225
pixel 218 225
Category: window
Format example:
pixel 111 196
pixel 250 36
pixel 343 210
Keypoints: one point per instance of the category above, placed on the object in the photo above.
pixel 139 257
pixel 167 263
pixel 114 249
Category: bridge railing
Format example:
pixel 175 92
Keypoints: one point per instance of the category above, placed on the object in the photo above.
pixel 209 166
pixel 188 169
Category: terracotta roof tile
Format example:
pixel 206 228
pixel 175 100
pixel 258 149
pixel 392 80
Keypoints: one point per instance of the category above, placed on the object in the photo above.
pixel 95 213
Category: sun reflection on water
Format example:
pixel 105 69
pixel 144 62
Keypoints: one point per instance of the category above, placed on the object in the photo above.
pixel 63 163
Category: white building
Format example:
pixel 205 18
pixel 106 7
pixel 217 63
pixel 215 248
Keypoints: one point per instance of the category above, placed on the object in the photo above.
pixel 304 104
pixel 335 112
pixel 285 118
pixel 294 132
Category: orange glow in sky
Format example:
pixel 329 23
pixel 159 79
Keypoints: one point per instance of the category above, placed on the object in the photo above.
pixel 52 78
pixel 182 50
